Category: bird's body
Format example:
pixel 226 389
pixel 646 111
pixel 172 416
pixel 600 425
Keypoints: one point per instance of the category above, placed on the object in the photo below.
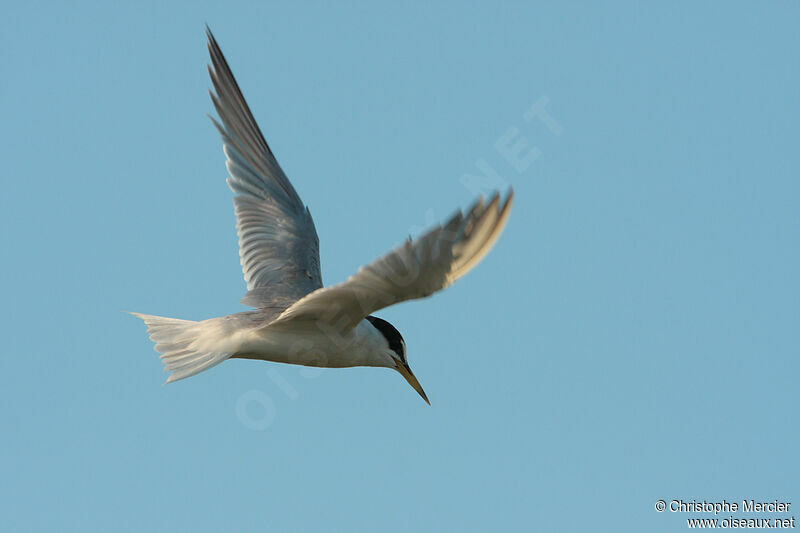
pixel 303 343
pixel 297 320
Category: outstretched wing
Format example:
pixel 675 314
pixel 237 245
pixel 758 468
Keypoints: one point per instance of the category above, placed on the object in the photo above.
pixel 415 269
pixel 278 243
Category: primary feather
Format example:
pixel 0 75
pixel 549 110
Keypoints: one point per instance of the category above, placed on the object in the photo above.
pixel 278 243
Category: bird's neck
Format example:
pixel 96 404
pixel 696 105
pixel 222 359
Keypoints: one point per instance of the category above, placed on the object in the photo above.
pixel 371 346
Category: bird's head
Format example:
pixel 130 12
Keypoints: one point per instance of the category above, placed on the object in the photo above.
pixel 397 352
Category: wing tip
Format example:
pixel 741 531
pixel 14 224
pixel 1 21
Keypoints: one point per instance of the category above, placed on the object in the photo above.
pixel 210 35
pixel 507 204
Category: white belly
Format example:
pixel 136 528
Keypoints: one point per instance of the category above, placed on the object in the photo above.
pixel 312 344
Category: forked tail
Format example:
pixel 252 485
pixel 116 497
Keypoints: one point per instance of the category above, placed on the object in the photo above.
pixel 186 347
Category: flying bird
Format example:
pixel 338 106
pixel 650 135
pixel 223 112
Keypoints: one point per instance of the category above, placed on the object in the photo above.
pixel 296 320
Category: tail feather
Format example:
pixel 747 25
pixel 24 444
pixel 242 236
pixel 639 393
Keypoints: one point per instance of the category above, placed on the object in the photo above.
pixel 186 347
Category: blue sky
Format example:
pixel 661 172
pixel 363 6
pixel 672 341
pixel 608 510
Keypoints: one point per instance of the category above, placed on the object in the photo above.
pixel 632 337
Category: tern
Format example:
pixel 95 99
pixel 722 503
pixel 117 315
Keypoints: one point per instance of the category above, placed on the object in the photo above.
pixel 296 320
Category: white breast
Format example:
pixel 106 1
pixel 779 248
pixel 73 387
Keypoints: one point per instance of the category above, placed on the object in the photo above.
pixel 313 344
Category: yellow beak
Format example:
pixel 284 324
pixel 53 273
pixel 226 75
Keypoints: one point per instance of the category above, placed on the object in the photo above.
pixel 406 372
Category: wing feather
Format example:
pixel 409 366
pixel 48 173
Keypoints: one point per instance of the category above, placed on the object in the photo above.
pixel 415 269
pixel 278 243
